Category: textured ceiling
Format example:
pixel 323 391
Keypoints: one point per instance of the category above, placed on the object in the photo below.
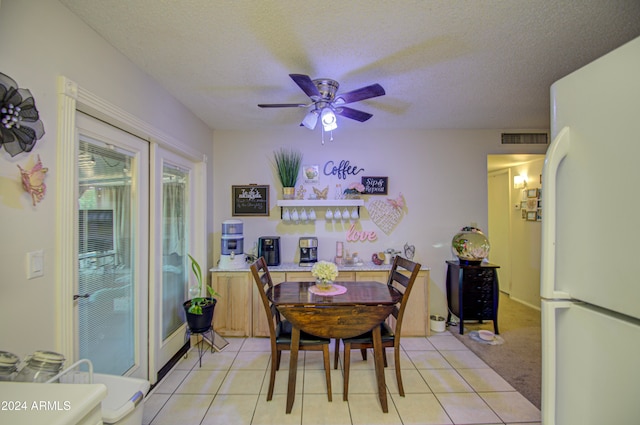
pixel 444 64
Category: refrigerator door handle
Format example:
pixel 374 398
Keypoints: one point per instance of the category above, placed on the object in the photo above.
pixel 549 371
pixel 558 150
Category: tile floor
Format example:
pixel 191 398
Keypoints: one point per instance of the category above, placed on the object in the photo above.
pixel 445 383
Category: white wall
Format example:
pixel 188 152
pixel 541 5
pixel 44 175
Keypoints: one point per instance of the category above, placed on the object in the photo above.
pixel 442 175
pixel 41 40
pixel 526 241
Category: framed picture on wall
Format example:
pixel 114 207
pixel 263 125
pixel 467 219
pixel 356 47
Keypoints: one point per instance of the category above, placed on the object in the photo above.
pixel 532 203
pixel 532 193
pixel 250 200
pixel 531 215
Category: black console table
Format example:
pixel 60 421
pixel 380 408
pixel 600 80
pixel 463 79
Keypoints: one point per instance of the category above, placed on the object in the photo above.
pixel 472 292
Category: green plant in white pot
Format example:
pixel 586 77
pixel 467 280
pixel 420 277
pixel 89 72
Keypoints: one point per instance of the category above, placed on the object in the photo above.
pixel 199 309
pixel 288 163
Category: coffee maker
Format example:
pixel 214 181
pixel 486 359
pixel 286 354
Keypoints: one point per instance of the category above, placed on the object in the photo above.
pixel 269 248
pixel 308 251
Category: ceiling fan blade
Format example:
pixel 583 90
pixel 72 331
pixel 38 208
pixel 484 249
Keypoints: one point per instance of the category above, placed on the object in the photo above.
pixel 363 93
pixel 307 85
pixel 354 114
pixel 282 105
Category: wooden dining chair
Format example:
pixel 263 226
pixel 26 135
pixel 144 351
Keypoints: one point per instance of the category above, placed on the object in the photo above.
pixel 280 330
pixel 402 276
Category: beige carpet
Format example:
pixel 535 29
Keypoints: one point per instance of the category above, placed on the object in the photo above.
pixel 518 359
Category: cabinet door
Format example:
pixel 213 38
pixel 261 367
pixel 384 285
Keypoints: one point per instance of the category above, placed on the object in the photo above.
pixel 260 325
pixel 300 277
pixel 232 316
pixel 416 314
pixel 381 277
pixel 307 277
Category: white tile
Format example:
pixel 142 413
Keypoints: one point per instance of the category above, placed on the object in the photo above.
pixel 412 381
pixel 235 344
pixel 362 382
pixel 255 360
pixel 449 342
pixel 171 381
pixel 274 412
pixel 467 408
pixel 366 410
pixel 183 409
pixel 445 381
pixel 428 360
pixel 257 344
pixel 188 361
pixel 229 409
pixel 315 360
pixel 463 359
pixel 201 382
pixel 420 409
pixel 315 382
pixel 415 343
pixel 152 405
pixel 217 361
pixel 485 380
pixel 242 382
pixel 231 387
pixel 511 406
pixel 282 382
pixel 316 410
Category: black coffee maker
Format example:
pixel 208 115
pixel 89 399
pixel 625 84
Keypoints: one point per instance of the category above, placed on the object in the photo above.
pixel 269 248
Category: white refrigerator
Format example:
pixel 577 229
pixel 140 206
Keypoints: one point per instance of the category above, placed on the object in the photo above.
pixel 590 276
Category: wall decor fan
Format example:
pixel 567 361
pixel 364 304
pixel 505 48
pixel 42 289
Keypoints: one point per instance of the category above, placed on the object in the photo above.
pixel 326 102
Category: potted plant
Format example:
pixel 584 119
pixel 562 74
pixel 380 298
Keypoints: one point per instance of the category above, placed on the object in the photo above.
pixel 199 310
pixel 288 162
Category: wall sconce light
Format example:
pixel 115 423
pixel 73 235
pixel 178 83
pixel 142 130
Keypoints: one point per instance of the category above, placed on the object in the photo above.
pixel 520 182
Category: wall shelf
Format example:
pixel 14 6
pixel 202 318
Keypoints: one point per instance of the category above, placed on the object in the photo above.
pixel 319 203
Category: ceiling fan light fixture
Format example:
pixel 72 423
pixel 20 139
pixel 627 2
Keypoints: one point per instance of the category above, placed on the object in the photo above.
pixel 311 119
pixel 329 120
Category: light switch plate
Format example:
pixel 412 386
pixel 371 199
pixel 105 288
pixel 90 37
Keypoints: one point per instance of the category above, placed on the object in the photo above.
pixel 35 264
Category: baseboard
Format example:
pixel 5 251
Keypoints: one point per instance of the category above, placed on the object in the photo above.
pixel 525 303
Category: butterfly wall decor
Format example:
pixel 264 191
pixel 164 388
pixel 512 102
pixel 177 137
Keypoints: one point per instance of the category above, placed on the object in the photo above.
pixel 321 194
pixel 33 181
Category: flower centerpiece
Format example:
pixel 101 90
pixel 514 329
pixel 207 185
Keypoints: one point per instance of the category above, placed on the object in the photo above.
pixel 325 273
pixel 354 191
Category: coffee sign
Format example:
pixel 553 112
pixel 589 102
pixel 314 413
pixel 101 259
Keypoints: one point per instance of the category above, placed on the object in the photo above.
pixel 375 185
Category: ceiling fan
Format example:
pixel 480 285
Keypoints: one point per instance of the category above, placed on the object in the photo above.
pixel 326 103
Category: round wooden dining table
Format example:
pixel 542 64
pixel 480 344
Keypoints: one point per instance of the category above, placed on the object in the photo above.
pixel 363 307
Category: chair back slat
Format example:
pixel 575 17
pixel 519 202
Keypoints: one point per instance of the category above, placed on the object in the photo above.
pixel 404 283
pixel 262 277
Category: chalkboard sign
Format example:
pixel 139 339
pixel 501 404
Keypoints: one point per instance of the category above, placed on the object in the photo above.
pixel 375 185
pixel 250 200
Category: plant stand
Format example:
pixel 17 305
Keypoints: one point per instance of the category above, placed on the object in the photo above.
pixel 199 344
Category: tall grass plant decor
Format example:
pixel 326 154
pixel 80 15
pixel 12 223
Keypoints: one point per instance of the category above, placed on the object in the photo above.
pixel 288 163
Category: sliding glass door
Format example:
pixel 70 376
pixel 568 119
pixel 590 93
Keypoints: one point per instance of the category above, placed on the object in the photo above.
pixel 112 252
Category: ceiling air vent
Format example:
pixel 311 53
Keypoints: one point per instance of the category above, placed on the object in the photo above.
pixel 525 138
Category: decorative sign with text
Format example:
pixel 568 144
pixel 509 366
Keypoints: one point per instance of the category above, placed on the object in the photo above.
pixel 375 185
pixel 250 200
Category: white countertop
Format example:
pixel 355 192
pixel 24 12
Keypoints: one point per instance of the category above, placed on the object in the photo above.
pixel 48 404
pixel 294 267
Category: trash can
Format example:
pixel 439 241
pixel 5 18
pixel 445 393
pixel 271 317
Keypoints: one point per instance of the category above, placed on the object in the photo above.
pixel 124 403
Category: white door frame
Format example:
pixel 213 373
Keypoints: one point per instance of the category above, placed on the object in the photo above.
pixel 73 98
